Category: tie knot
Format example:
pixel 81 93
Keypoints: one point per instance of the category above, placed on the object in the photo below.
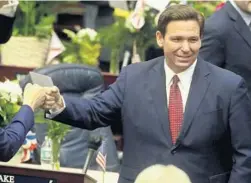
pixel 175 79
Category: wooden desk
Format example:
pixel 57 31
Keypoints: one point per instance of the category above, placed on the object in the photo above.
pixel 12 72
pixel 65 175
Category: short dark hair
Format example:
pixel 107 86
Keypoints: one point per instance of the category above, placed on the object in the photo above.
pixel 179 12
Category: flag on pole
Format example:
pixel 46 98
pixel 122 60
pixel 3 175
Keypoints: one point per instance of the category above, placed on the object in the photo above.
pixel 29 145
pixel 137 17
pixel 101 157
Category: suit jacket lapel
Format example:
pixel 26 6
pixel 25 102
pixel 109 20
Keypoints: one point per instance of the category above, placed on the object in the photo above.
pixel 156 83
pixel 199 85
pixel 239 24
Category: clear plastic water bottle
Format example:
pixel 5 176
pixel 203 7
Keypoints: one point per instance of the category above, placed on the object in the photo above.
pixel 46 153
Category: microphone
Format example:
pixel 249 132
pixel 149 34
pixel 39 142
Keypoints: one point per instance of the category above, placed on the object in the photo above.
pixel 93 145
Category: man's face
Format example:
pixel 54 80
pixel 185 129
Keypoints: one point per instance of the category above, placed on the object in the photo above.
pixel 244 5
pixel 181 44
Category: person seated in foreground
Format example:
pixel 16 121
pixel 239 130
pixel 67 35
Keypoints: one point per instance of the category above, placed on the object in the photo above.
pixel 162 174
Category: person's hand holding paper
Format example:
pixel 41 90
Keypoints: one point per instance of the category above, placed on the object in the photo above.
pixel 34 96
pixel 53 99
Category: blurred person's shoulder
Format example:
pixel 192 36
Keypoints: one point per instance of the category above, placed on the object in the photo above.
pixel 219 21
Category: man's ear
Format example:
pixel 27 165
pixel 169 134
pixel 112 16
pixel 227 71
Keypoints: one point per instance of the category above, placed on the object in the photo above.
pixel 159 39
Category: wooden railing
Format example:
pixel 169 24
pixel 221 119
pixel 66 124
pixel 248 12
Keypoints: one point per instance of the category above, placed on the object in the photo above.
pixel 13 72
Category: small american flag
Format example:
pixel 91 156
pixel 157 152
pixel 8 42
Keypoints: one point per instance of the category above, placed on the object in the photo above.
pixel 101 157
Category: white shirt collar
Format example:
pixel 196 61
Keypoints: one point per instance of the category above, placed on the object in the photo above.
pixel 246 17
pixel 185 77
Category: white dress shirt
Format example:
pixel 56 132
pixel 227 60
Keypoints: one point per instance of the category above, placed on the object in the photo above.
pixel 246 17
pixel 9 9
pixel 185 78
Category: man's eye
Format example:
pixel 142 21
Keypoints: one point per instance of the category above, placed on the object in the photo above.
pixel 176 39
pixel 193 40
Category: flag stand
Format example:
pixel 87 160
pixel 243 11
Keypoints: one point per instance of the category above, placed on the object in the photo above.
pixel 103 177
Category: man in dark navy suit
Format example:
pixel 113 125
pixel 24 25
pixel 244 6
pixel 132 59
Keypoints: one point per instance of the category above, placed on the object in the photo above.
pixel 227 39
pixel 177 109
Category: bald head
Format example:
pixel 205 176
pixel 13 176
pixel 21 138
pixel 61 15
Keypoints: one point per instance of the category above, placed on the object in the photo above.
pixel 162 174
pixel 244 5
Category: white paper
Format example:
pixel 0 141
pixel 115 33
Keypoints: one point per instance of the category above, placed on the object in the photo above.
pixel 41 80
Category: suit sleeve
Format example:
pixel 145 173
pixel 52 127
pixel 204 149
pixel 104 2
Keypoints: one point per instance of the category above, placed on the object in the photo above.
pixel 13 135
pixel 6 28
pixel 100 111
pixel 240 127
pixel 212 49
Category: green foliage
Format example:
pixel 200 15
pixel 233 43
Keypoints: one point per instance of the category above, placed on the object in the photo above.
pixel 55 130
pixel 34 19
pixel 116 35
pixel 205 7
pixel 84 47
pixel 121 33
pixel 7 110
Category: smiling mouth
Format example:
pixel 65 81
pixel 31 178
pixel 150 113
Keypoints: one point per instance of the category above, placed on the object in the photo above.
pixel 184 57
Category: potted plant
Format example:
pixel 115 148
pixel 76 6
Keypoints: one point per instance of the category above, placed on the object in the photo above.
pixel 115 37
pixel 84 47
pixel 123 34
pixel 56 133
pixel 31 35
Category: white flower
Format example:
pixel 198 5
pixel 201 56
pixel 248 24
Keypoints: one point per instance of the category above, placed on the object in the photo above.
pixel 92 34
pixel 12 89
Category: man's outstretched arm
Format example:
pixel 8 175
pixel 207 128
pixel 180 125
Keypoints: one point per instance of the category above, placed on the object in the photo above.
pixel 99 111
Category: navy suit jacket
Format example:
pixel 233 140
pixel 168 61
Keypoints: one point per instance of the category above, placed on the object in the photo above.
pixel 6 24
pixel 214 144
pixel 227 42
pixel 13 135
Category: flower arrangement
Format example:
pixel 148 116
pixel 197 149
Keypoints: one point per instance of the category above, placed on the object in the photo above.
pixel 129 33
pixel 10 100
pixel 142 28
pixel 84 47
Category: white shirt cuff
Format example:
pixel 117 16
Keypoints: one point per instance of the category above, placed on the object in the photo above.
pixel 9 9
pixel 54 113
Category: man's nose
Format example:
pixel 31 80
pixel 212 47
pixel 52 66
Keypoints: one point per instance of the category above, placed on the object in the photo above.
pixel 185 46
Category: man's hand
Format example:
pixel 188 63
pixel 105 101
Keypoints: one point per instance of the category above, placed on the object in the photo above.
pixel 34 96
pixel 3 2
pixel 54 100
